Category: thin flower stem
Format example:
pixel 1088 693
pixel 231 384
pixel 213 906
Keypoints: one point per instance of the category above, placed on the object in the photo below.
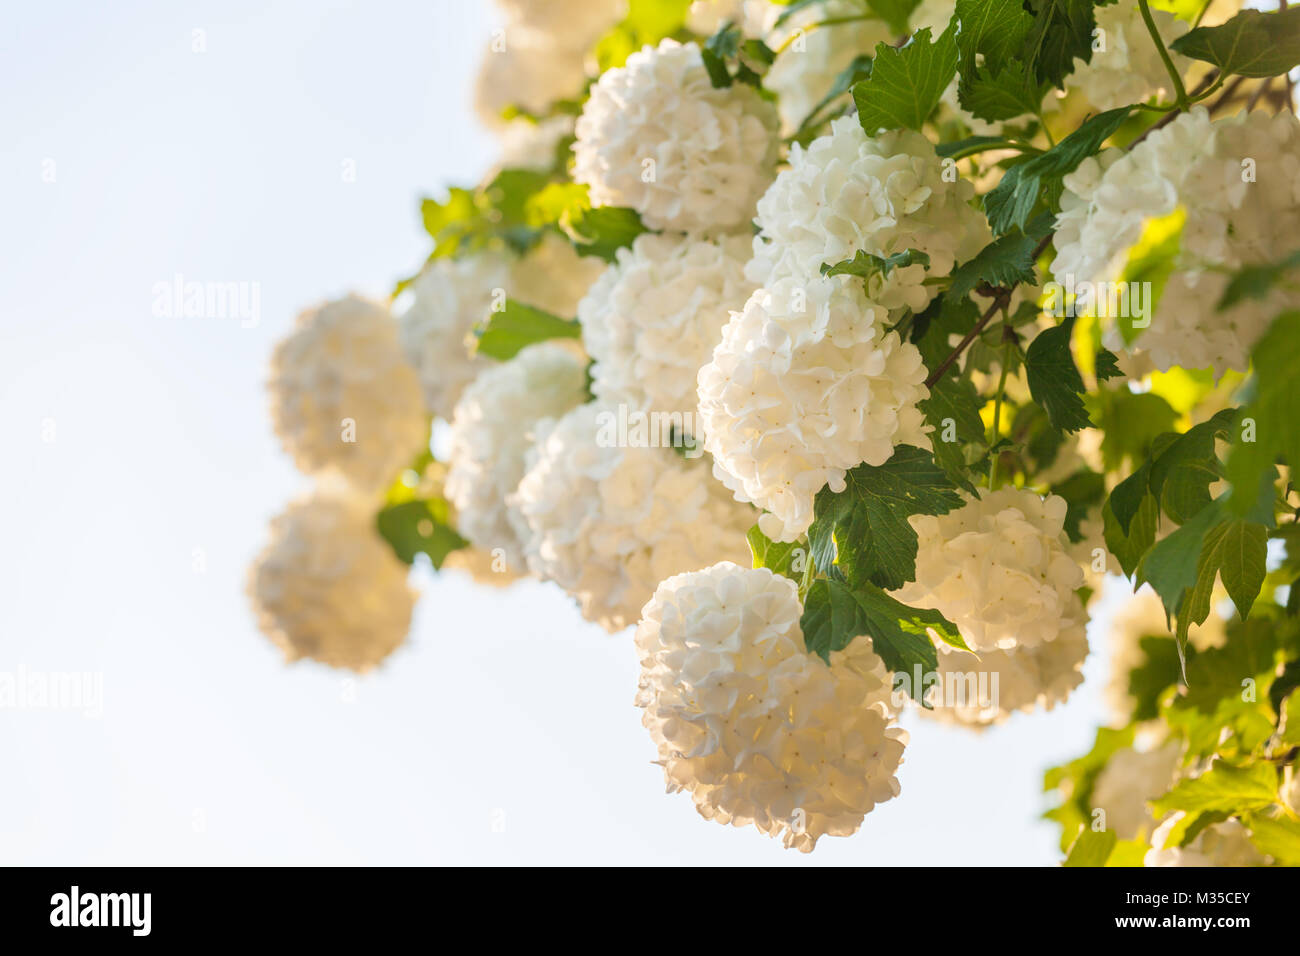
pixel 1259 93
pixel 1179 89
pixel 996 429
pixel 938 373
pixel 833 21
pixel 1001 144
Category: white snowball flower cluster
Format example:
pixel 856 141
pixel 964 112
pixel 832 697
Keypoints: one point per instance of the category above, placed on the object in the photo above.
pixel 1238 182
pixel 539 56
pixel 1131 778
pixel 757 730
pixel 608 523
pixel 451 296
pixel 492 431
pixel 1220 844
pixel 327 587
pixel 979 691
pixel 805 385
pixel 998 569
pixel 883 195
pixel 652 319
pixel 807 68
pixel 1126 67
pixel 657 136
pixel 342 397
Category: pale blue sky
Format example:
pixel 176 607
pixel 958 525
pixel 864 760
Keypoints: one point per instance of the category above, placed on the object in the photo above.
pixel 226 165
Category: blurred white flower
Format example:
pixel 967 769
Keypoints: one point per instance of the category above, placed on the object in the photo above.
pixel 1129 780
pixel 342 397
pixel 327 587
pixel 1219 844
pixel 450 297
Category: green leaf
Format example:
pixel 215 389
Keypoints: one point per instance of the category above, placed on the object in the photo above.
pixel 1106 365
pixel 906 83
pixel 726 48
pixel 1129 423
pixel 1062 33
pixel 1275 389
pixel 1092 848
pixel 932 329
pixel 1004 262
pixel 834 614
pixel 1223 788
pixel 1276 836
pixel 1182 472
pixel 1171 566
pixel 1160 669
pixel 788 559
pixel 647 22
pixel 1011 92
pixel 447 222
pixel 1257 281
pixel 1244 549
pixel 895 13
pixel 1012 201
pixel 419 526
pixel 1216 675
pixel 602 232
pixel 867 266
pixel 864 531
pixel 1129 494
pixel 1250 44
pixel 518 325
pixel 1131 544
pixel 996 81
pixel 1182 568
pixel 593 232
pixel 953 410
pixel 991 30
pixel 1054 379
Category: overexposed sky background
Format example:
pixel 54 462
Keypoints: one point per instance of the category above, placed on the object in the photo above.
pixel 126 536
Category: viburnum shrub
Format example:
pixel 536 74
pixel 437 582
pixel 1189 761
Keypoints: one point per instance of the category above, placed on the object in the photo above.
pixel 847 351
